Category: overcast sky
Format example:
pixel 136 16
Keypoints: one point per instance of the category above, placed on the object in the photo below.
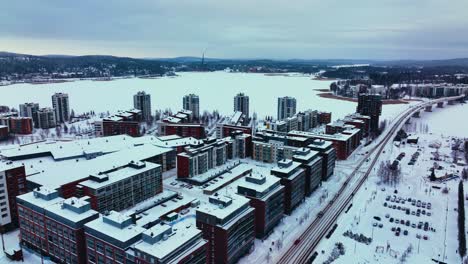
pixel 308 29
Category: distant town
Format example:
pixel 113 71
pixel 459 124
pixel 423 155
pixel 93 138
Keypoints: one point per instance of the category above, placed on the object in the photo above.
pixel 151 186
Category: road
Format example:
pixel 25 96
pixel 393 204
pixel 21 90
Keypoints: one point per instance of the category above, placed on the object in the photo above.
pixel 302 251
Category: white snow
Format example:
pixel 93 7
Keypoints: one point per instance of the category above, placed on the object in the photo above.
pixel 414 184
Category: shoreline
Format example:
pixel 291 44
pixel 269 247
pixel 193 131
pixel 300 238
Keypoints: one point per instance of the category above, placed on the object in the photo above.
pixel 329 95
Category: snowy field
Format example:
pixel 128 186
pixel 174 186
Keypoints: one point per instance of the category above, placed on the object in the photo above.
pixel 216 91
pixel 386 246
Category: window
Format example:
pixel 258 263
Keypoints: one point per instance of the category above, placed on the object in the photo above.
pixel 4 215
pixel 109 251
pixel 99 247
pixel 90 243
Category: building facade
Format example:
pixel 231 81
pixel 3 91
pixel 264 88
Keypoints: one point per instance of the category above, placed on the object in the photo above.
pixel 54 226
pixel 18 125
pixel 292 177
pixel 198 159
pixel 228 223
pixel 241 104
pixel 121 188
pixel 12 184
pixel 142 101
pixel 286 107
pixel 191 102
pixel 328 154
pixel 311 162
pixel 61 106
pixel 370 105
pixel 29 110
pixel 46 118
pixel 266 195
pixel 4 132
pixel 109 237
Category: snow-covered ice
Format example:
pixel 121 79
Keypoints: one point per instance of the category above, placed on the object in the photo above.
pixel 167 92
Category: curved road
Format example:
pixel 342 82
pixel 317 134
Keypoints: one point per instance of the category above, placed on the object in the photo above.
pixel 307 242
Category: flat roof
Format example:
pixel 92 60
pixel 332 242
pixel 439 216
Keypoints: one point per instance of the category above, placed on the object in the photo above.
pixel 221 213
pixel 153 214
pixel 63 172
pixel 338 136
pixel 214 172
pixel 320 144
pixel 71 149
pixel 36 200
pixel 310 154
pixel 287 169
pixel 228 176
pixel 71 215
pixel 182 233
pixel 270 180
pixel 119 175
pixel 9 165
pixel 121 234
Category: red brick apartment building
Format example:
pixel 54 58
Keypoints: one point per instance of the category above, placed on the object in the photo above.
pixel 266 195
pixel 54 226
pixel 228 225
pixel 293 179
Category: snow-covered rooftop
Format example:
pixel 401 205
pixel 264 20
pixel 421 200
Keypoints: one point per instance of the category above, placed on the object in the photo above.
pixel 117 226
pixel 225 205
pixel 286 166
pixel 261 183
pixel 162 240
pixel 73 209
pixel 120 175
pixel 60 173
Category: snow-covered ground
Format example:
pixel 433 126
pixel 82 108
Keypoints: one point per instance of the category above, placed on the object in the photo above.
pixel 369 202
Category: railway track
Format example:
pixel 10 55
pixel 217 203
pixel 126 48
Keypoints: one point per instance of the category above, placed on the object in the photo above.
pixel 302 251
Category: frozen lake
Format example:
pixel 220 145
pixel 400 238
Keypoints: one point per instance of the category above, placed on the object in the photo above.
pixel 216 91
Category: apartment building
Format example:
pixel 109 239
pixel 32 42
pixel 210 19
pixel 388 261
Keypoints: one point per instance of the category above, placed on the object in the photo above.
pixel 328 154
pixel 266 195
pixel 286 107
pixel 191 102
pixel 228 223
pixel 199 158
pixel 292 177
pixel 123 187
pixel 29 110
pixel 46 118
pixel 311 162
pixel 54 226
pixel 142 102
pixel 61 106
pixel 12 184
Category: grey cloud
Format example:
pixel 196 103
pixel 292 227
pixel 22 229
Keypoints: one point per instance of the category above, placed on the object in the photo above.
pixel 372 29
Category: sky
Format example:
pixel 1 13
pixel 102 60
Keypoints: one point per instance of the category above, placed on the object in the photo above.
pixel 300 29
